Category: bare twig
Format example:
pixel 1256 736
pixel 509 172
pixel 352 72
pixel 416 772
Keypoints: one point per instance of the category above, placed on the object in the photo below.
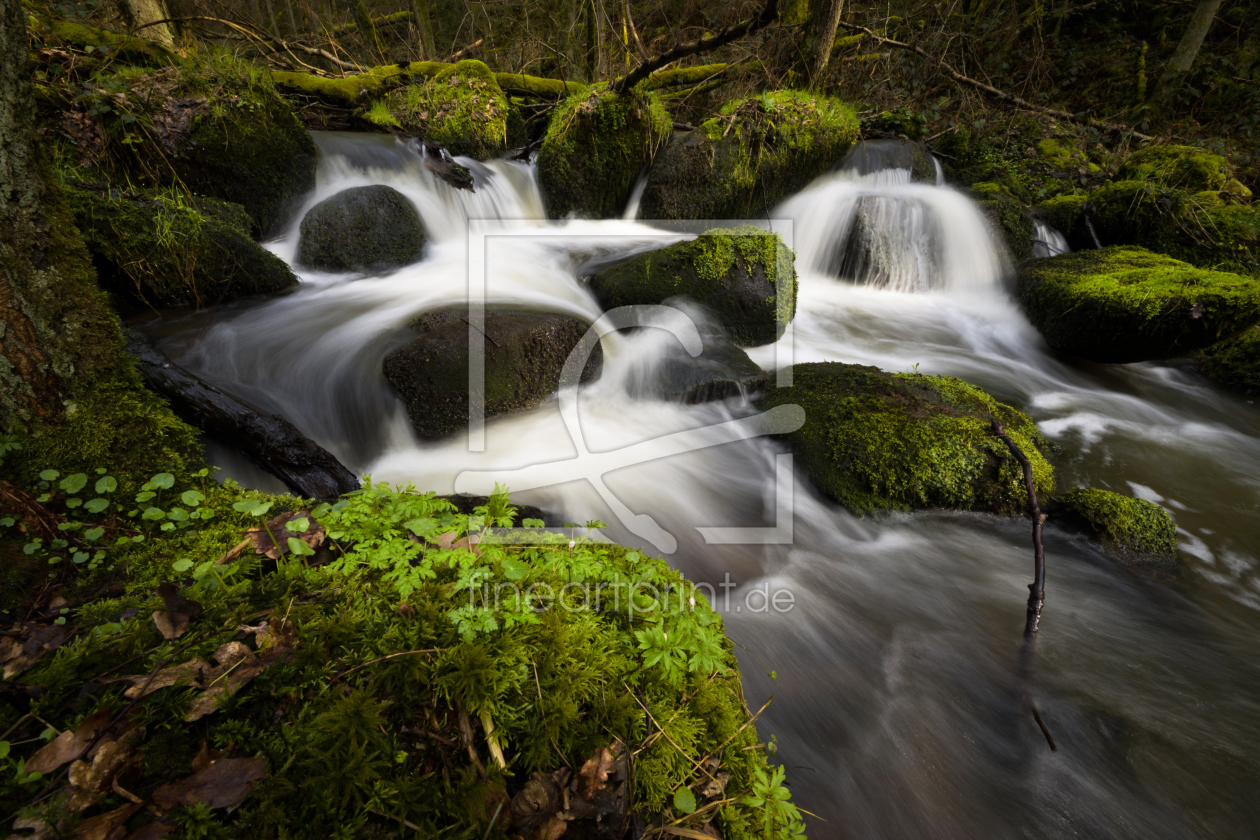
pixel 383 658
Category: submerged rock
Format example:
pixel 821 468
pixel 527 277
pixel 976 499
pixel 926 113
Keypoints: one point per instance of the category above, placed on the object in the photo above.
pixel 597 144
pixel 877 441
pixel 1234 363
pixel 168 250
pixel 755 153
pixel 1131 531
pixel 372 228
pixel 460 108
pixel 1127 304
pixel 744 276
pixel 721 370
pixel 525 352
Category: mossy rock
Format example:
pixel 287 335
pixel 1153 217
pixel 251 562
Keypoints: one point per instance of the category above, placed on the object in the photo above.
pixel 877 441
pixel 1183 167
pixel 168 250
pixel 1063 154
pixel 1132 531
pixel 1234 363
pixel 870 156
pixel 460 108
pixel 757 152
pixel 373 228
pixel 744 276
pixel 1066 214
pixel 525 352
pixel 1009 216
pixel 1126 304
pixel 597 144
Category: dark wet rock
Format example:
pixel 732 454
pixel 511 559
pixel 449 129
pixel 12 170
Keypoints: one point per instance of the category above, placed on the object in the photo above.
pixel 1126 304
pixel 744 276
pixel 877 155
pixel 1134 532
pixel 877 441
pixel 372 228
pixel 721 370
pixel 1010 217
pixel 159 250
pixel 1234 363
pixel 525 352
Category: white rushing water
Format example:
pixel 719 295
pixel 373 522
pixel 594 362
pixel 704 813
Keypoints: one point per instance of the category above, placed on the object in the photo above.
pixel 897 702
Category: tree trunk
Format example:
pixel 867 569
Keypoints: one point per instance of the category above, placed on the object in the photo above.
pixel 424 29
pixel 820 36
pixel 136 13
pixel 1188 48
pixel 594 11
pixel 363 18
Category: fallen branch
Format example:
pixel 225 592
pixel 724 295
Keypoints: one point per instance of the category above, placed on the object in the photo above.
pixel 992 91
pixel 260 35
pixel 1036 589
pixel 731 33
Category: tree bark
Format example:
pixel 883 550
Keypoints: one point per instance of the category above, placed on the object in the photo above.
pixel 367 29
pixel 824 18
pixel 137 13
pixel 424 29
pixel 1188 48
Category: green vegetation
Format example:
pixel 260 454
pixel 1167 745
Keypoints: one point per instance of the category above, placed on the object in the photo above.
pixel 745 276
pixel 1183 167
pixel 461 108
pixel 1234 363
pixel 757 151
pixel 877 441
pixel 1127 304
pixel 1130 530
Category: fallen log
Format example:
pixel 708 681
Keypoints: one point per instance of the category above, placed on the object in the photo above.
pixel 268 440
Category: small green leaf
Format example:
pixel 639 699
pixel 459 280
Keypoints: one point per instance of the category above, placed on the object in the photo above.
pixel 299 548
pixel 177 514
pixel 153 514
pixel 73 503
pixel 73 483
pixel 192 498
pixel 684 801
pixel 106 485
pixel 80 557
pixel 168 526
pixel 49 475
pixel 515 569
pixel 94 533
pixel 96 505
pixel 163 481
pixel 4 749
pixel 182 565
pixel 297 526
pixel 145 496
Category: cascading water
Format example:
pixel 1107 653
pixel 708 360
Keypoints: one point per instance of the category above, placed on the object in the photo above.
pixel 897 700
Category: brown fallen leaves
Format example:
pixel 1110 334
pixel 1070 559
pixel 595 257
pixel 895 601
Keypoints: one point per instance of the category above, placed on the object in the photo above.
pixel 173 621
pixel 596 798
pixel 235 665
pixel 25 643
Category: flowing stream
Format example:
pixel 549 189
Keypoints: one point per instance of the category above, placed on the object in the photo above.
pixel 897 702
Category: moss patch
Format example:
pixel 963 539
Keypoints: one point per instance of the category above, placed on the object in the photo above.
pixel 876 441
pixel 1009 216
pixel 1183 167
pixel 1127 304
pixel 1063 212
pixel 168 250
pixel 1235 363
pixel 1130 530
pixel 596 146
pixel 756 153
pixel 460 108
pixel 744 275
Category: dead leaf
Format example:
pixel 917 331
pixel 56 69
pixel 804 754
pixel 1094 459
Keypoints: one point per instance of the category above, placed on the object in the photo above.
pixel 716 786
pixel 220 784
pixel 205 756
pixel 153 831
pixel 535 804
pixel 90 781
pixel 24 644
pixel 171 627
pixel 68 746
pixel 595 772
pixel 108 826
pixel 187 673
pixel 237 666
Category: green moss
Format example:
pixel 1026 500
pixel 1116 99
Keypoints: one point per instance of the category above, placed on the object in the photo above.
pixel 1127 304
pixel 596 146
pixel 1235 363
pixel 1009 216
pixel 1061 154
pixel 460 108
pixel 127 49
pixel 1063 212
pixel 757 152
pixel 876 441
pixel 1183 167
pixel 745 276
pixel 168 250
pixel 1130 530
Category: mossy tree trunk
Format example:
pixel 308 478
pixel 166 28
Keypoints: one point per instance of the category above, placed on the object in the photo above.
pixel 820 35
pixel 141 13
pixel 424 29
pixel 363 19
pixel 1188 47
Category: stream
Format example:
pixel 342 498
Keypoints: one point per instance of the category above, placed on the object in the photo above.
pixel 897 703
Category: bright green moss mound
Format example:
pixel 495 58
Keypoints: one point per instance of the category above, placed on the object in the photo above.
pixel 1063 154
pixel 1063 212
pixel 877 441
pixel 1128 305
pixel 1184 167
pixel 755 153
pixel 746 276
pixel 1130 530
pixel 596 146
pixel 1236 363
pixel 379 675
pixel 460 108
pixel 169 250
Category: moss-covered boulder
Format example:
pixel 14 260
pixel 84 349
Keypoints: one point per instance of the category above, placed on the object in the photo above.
pixel 1183 167
pixel 1066 214
pixel 1235 363
pixel 755 153
pixel 1126 304
pixel 744 276
pixel 525 352
pixel 597 144
pixel 374 228
pixel 1132 531
pixel 1009 216
pixel 460 108
pixel 1065 155
pixel 169 250
pixel 877 441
